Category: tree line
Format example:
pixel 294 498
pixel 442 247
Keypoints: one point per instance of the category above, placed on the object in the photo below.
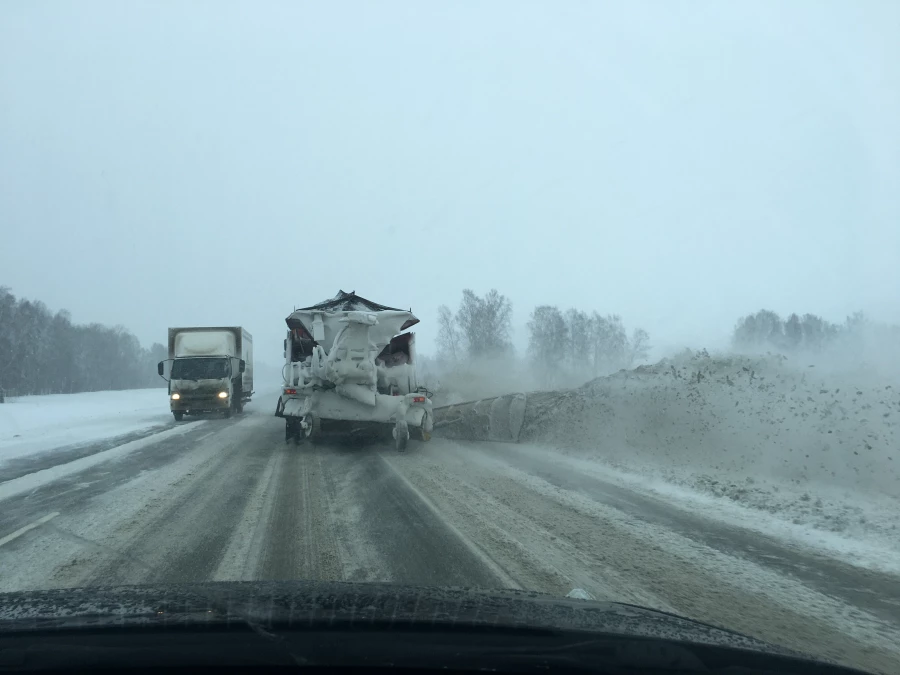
pixel 766 329
pixel 481 328
pixel 562 345
pixel 45 353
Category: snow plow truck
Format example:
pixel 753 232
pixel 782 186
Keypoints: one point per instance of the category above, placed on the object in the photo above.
pixel 350 370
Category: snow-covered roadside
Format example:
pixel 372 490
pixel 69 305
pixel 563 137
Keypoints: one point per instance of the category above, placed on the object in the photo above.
pixel 869 538
pixel 732 418
pixel 33 425
pixel 32 481
pixel 790 449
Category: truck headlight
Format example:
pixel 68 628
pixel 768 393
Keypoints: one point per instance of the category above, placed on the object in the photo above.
pixel 223 394
pixel 175 397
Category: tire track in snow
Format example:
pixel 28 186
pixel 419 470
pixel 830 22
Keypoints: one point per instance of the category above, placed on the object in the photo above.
pixel 535 528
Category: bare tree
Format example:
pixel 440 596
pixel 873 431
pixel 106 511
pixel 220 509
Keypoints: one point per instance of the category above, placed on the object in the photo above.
pixel 763 328
pixel 609 343
pixel 817 331
pixel 639 347
pixel 548 343
pixel 485 323
pixel 7 336
pixel 449 346
pixel 578 326
pixel 793 332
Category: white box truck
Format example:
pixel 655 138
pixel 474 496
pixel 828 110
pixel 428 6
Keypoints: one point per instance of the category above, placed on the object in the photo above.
pixel 209 369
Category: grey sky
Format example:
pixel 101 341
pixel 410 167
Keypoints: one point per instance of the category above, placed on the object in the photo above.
pixel 679 163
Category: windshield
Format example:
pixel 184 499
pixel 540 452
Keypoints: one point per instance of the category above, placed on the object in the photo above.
pixel 199 369
pixel 585 298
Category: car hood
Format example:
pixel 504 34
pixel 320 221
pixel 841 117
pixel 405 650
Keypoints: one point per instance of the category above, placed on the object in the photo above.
pixel 307 603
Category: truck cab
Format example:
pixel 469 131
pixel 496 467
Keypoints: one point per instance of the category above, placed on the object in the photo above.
pixel 200 384
pixel 205 370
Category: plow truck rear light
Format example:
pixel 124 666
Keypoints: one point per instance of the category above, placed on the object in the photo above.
pixel 290 391
pixel 418 399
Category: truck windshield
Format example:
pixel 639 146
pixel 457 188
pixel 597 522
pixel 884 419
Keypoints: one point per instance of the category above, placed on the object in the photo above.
pixel 199 369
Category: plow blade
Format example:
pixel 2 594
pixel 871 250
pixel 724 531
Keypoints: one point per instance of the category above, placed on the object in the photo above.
pixel 489 419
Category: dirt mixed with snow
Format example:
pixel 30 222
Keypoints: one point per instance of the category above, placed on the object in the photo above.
pixel 817 447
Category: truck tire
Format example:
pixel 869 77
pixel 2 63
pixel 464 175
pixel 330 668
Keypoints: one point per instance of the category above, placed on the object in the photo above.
pixel 401 436
pixel 313 431
pixel 289 432
pixel 178 415
pixel 226 413
pixel 401 442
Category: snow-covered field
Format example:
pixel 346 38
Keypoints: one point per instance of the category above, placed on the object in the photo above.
pixel 33 425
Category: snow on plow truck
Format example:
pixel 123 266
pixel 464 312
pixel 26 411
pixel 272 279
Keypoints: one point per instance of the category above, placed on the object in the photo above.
pixel 350 370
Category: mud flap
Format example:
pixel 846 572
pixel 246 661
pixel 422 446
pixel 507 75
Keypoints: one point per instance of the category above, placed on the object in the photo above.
pixel 401 435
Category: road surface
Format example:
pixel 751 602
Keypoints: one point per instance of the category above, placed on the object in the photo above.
pixel 228 499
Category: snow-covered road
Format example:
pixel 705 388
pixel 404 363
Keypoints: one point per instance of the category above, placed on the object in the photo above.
pixel 227 499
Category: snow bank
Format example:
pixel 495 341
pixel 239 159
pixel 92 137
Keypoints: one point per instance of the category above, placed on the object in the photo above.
pixel 817 448
pixel 37 424
pixel 738 416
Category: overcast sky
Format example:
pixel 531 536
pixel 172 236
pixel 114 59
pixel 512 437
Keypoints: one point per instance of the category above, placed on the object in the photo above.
pixel 678 163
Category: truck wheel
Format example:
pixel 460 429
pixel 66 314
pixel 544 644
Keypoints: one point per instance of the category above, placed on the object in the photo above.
pixel 178 415
pixel 288 431
pixel 401 436
pixel 226 413
pixel 313 429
